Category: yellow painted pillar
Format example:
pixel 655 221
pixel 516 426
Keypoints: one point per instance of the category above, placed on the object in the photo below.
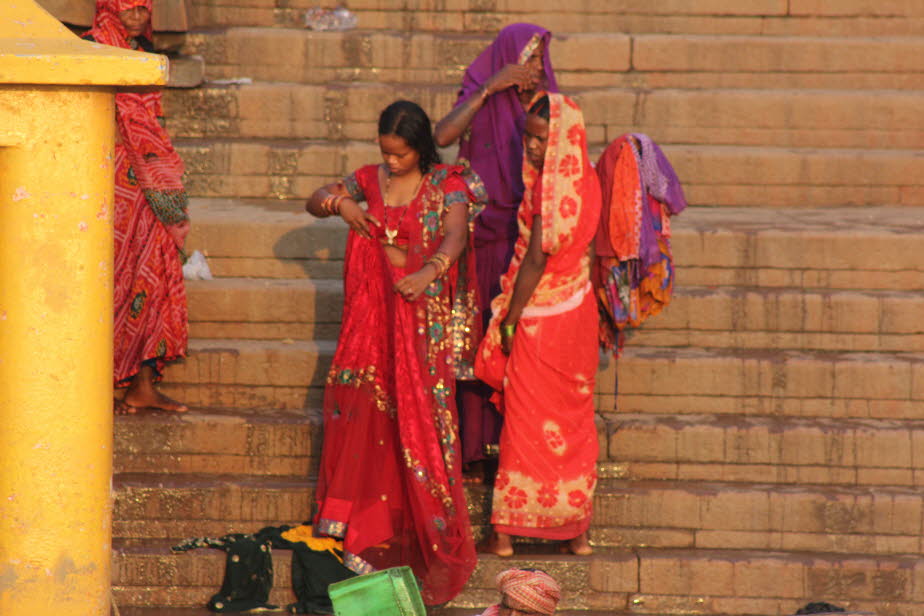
pixel 56 199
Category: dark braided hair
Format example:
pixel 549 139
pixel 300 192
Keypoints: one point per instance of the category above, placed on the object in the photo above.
pixel 541 107
pixel 409 121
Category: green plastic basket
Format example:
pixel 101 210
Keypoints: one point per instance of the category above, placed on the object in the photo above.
pixel 390 592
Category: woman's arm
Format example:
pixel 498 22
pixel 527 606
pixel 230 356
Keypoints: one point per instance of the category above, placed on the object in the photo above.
pixel 531 270
pixel 455 237
pixel 451 127
pixel 335 199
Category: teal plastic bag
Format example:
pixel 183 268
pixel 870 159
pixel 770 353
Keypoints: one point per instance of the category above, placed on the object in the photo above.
pixel 390 592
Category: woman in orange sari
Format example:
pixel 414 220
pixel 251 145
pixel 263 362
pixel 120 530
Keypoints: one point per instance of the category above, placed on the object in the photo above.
pixel 151 224
pixel 540 350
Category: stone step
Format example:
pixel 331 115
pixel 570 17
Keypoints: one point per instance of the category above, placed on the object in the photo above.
pixel 741 247
pixel 193 577
pixel 644 581
pixel 250 442
pixel 267 238
pixel 738 317
pixel 764 382
pixel 712 175
pixel 587 59
pixel 851 452
pixel 241 374
pixel 755 318
pixel 176 506
pixel 291 374
pixel 768 449
pixel 813 248
pixel 771 449
pixel 265 308
pixel 627 514
pixel 790 118
pixel 764 17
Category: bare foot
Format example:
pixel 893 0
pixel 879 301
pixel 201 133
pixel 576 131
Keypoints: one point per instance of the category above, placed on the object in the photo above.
pixel 154 400
pixel 120 408
pixel 498 544
pixel 142 394
pixel 473 473
pixel 578 546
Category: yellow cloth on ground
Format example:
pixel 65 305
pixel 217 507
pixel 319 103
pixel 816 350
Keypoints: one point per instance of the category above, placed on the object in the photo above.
pixel 305 534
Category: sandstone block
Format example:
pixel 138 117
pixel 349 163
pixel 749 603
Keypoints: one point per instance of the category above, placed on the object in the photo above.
pixel 678 573
pixel 810 444
pixel 883 448
pixel 592 52
pixel 785 54
pixel 768 578
pixel 651 442
pixel 888 378
pixel 618 573
pixel 850 8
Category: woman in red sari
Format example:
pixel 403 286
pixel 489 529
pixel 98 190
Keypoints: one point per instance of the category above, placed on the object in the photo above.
pixel 151 223
pixel 540 350
pixel 390 481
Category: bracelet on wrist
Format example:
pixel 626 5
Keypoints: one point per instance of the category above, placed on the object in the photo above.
pixel 441 262
pixel 331 203
pixel 508 329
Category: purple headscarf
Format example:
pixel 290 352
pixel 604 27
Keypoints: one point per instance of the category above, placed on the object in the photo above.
pixel 659 180
pixel 494 145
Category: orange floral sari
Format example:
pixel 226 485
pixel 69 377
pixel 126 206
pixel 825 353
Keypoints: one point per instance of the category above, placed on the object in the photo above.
pixel 548 449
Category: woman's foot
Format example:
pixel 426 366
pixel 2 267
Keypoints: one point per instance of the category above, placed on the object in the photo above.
pixel 120 408
pixel 473 473
pixel 579 546
pixel 498 544
pixel 142 394
pixel 154 400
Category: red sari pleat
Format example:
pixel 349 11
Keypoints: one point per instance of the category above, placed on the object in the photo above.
pixel 390 479
pixel 149 294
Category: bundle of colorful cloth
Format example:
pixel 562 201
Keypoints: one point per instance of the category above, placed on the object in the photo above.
pixel 633 271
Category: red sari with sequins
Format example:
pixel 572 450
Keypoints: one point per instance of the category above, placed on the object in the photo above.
pixel 548 448
pixel 150 219
pixel 390 480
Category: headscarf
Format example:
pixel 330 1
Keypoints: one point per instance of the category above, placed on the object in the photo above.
pixel 494 143
pixel 156 165
pixel 627 177
pixel 568 176
pixel 107 27
pixel 527 590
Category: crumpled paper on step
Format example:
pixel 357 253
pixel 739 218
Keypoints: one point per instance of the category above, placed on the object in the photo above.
pixel 329 20
pixel 196 267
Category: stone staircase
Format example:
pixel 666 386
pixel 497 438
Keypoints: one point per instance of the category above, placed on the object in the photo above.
pixel 765 451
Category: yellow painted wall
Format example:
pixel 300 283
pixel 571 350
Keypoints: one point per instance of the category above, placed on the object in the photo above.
pixel 57 128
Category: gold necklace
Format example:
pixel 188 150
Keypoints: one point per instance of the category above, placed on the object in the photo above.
pixel 392 234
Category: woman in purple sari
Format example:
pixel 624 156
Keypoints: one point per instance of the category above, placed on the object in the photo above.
pixel 488 120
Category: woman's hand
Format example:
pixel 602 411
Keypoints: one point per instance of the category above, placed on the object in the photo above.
pixel 511 75
pixel 507 332
pixel 411 286
pixel 357 218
